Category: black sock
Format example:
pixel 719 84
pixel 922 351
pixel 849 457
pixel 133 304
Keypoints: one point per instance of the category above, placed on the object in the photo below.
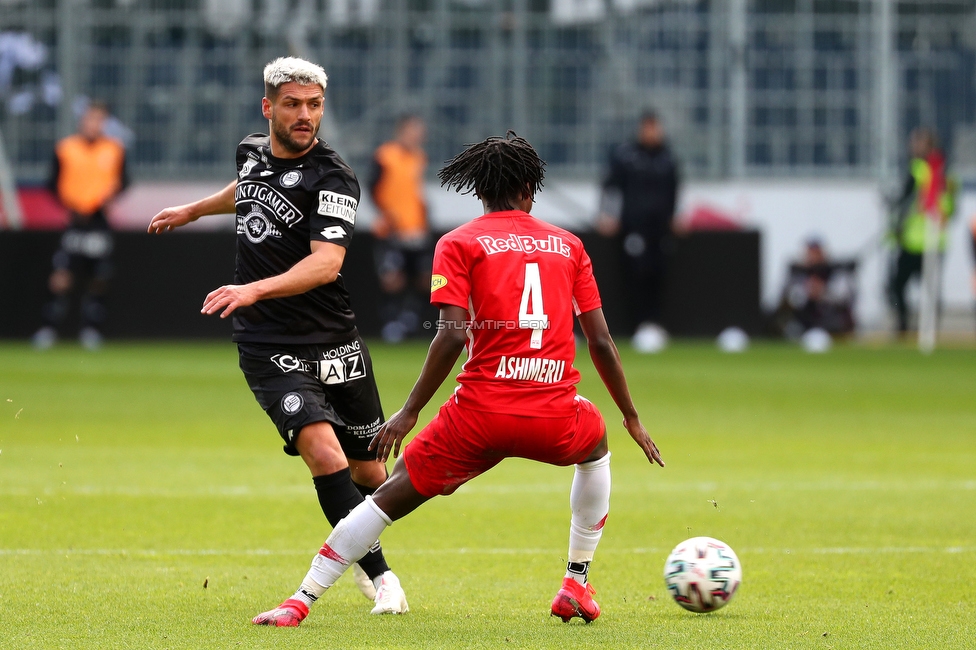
pixel 337 496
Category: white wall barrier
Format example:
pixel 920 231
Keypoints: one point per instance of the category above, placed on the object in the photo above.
pixel 849 217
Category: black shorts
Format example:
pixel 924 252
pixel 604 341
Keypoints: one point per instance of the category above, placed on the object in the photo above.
pixel 297 385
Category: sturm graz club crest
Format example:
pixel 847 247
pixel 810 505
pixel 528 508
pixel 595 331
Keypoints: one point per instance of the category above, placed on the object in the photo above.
pixel 256 226
pixel 291 178
pixel 292 403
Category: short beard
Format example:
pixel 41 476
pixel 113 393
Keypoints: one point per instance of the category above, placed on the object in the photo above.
pixel 283 135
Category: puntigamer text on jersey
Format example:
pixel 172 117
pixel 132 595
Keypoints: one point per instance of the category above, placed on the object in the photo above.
pixel 265 195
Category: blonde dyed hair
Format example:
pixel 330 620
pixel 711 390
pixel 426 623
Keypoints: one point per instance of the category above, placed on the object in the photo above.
pixel 287 69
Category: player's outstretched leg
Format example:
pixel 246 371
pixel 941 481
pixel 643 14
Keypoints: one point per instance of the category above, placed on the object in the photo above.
pixel 338 494
pixel 288 614
pixel 350 540
pixel 590 502
pixel 574 600
pixel 364 576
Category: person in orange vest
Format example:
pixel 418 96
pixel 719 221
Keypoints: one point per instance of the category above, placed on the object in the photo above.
pixel 87 173
pixel 403 251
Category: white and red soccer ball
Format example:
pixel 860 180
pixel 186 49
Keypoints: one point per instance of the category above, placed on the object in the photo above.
pixel 702 574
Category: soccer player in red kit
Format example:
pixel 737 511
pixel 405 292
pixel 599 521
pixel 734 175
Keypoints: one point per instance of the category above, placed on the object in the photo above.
pixel 507 286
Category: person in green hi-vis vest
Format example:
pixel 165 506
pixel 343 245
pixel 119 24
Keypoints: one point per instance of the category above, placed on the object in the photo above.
pixel 929 195
pixel 972 233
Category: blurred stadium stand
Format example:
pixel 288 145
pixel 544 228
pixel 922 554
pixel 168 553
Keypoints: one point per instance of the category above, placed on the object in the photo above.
pixel 748 88
pixel 791 114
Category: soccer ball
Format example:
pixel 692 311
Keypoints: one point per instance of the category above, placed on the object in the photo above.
pixel 702 574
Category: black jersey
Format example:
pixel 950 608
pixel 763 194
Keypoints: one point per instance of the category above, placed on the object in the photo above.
pixel 282 206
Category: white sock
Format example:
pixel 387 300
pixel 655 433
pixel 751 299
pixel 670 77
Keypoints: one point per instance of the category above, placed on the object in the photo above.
pixel 350 540
pixel 590 502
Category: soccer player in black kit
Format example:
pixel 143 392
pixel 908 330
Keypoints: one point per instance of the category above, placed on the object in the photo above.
pixel 299 349
pixel 644 179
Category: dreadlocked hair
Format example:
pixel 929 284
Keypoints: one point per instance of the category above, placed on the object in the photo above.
pixel 500 171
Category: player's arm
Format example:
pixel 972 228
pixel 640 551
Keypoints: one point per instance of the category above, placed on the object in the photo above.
pixel 603 351
pixel 54 176
pixel 441 357
pixel 221 202
pixel 611 199
pixel 320 267
pixel 674 184
pixel 125 180
pixel 382 224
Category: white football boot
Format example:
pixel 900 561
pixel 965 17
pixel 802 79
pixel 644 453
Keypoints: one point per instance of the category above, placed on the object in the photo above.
pixel 390 598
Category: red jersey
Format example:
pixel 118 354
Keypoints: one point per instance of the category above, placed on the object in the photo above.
pixel 522 280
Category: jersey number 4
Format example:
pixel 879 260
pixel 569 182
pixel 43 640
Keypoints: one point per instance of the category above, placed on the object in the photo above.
pixel 532 315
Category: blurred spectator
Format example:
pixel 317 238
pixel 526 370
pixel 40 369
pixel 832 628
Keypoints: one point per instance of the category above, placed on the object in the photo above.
pixel 26 74
pixel 972 234
pixel 403 253
pixel 929 193
pixel 819 294
pixel 88 171
pixel 639 196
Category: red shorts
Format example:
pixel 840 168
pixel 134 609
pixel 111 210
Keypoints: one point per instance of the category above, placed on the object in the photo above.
pixel 460 443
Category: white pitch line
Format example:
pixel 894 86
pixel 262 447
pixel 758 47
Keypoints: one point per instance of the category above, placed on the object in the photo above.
pixel 270 491
pixel 854 550
pixel 711 486
pixel 165 493
pixel 841 550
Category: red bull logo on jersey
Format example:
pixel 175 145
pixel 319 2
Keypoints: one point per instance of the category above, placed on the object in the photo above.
pixel 545 371
pixel 525 244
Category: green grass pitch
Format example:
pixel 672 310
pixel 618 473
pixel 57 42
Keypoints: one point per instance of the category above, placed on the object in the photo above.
pixel 145 503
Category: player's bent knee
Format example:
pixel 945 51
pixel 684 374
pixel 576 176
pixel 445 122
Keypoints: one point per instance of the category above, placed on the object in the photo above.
pixel 369 473
pixel 320 449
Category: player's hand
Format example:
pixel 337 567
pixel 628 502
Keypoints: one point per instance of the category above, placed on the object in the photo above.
pixel 170 218
pixel 392 433
pixel 229 298
pixel 639 434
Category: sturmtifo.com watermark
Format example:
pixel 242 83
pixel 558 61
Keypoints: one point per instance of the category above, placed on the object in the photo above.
pixel 489 324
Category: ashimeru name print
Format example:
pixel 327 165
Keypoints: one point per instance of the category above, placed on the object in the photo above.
pixel 545 371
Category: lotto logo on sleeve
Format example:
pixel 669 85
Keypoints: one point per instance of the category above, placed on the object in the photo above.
pixel 338 206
